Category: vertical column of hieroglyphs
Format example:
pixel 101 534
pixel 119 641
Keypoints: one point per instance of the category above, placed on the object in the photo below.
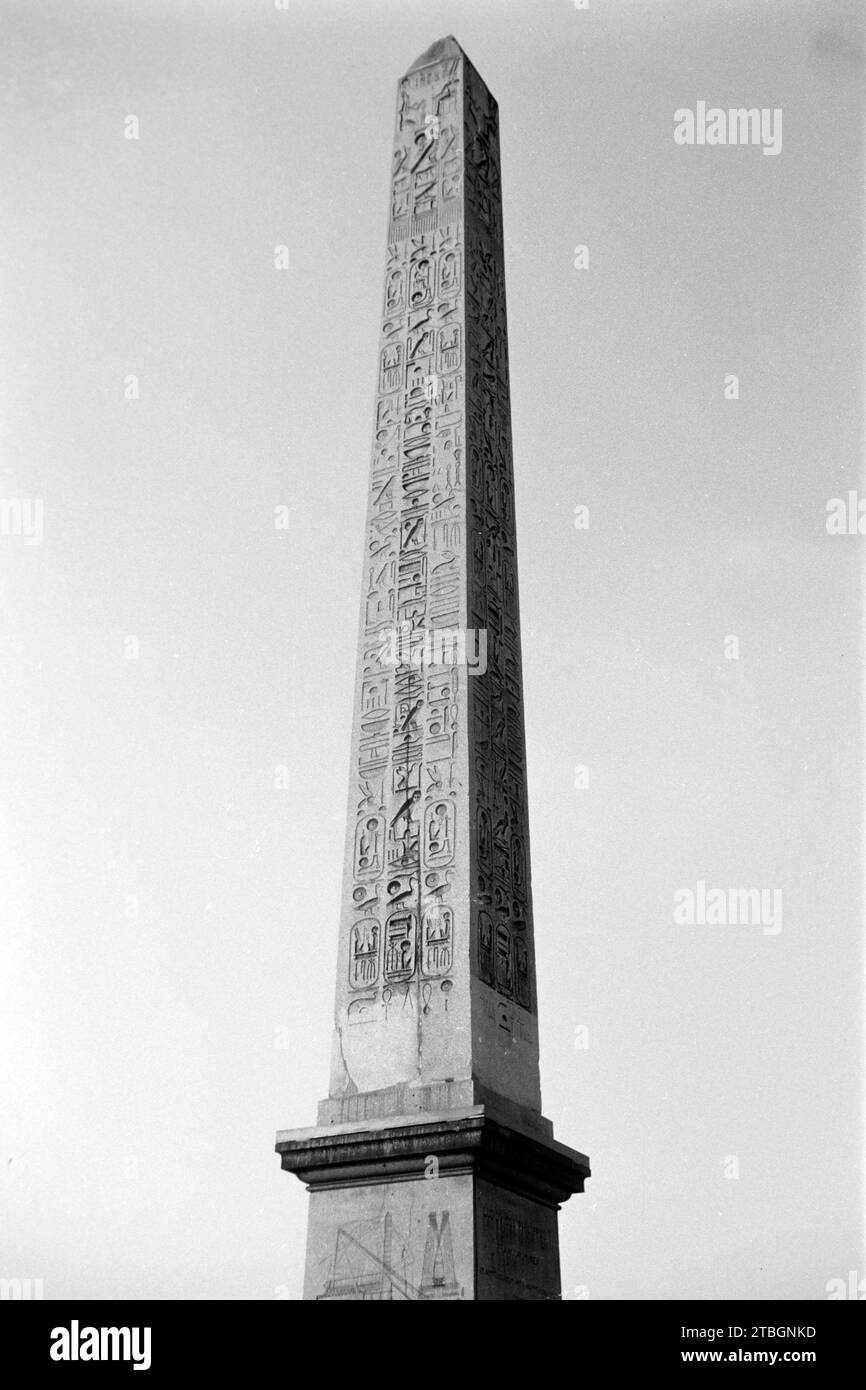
pixel 502 929
pixel 396 980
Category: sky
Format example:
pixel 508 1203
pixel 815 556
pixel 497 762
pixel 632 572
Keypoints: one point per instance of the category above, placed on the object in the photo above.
pixel 177 671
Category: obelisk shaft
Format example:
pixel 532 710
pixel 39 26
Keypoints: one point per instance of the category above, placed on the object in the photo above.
pixel 436 978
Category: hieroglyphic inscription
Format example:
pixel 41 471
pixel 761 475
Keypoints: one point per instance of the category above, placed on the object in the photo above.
pixel 402 925
pixel 503 927
pixel 518 1253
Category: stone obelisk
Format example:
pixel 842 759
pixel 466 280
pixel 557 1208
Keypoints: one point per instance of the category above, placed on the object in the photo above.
pixel 431 1170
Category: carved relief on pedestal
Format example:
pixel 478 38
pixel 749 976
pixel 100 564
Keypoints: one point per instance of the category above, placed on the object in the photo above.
pixel 391 1258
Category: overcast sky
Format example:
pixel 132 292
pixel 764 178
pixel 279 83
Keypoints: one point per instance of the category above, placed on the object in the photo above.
pixel 170 916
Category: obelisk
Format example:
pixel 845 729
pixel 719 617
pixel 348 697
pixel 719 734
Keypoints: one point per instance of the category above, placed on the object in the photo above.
pixel 432 1172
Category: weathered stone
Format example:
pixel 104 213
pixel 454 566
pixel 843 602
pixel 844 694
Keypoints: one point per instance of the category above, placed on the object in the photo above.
pixel 435 1055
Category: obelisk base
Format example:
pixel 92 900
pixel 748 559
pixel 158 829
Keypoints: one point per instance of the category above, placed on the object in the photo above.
pixel 451 1206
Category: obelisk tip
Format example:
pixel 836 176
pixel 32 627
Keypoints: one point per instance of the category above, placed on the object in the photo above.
pixel 441 49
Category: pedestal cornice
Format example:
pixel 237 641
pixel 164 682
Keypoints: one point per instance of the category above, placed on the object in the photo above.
pixel 398 1149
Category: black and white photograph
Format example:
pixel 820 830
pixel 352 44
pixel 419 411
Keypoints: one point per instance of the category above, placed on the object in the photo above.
pixel 432 522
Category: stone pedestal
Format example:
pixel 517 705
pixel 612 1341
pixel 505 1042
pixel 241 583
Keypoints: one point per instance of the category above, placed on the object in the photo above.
pixel 455 1205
